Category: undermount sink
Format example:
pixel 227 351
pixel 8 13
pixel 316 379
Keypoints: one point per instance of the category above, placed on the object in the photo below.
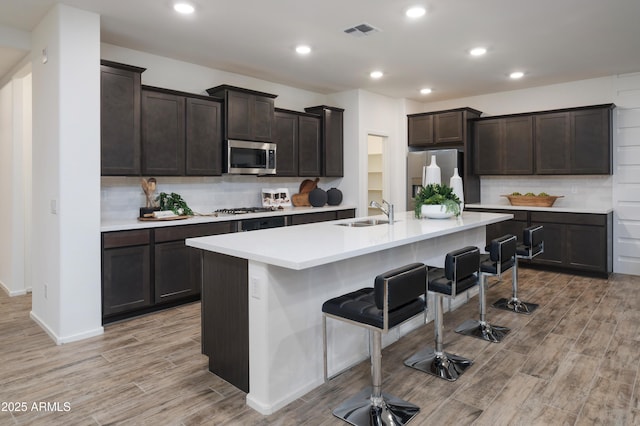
pixel 365 222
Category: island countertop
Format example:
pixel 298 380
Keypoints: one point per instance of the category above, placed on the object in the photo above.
pixel 306 246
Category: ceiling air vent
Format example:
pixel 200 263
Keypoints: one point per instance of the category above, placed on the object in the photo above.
pixel 361 30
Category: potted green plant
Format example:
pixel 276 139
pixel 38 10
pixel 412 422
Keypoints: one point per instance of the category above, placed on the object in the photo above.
pixel 175 203
pixel 438 195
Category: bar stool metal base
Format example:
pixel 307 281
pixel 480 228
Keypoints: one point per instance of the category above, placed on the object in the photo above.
pixel 362 410
pixel 483 330
pixel 444 365
pixel 515 305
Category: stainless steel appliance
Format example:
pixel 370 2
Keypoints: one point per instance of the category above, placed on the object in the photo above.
pixel 254 223
pixel 250 158
pixel 447 160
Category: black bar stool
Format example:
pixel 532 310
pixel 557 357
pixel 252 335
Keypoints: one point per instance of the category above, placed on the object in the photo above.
pixel 531 246
pixel 460 273
pixel 396 297
pixel 501 258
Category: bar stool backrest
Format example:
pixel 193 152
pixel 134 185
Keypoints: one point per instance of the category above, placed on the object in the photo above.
pixel 461 267
pixel 532 239
pixel 400 286
pixel 502 251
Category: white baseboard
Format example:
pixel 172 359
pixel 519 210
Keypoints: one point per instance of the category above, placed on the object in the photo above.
pixel 12 293
pixel 65 339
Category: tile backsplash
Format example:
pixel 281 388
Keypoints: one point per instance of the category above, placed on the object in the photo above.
pixel 578 191
pixel 122 197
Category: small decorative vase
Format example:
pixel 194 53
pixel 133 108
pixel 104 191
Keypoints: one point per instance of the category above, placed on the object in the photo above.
pixel 431 173
pixel 456 184
pixel 318 197
pixel 334 197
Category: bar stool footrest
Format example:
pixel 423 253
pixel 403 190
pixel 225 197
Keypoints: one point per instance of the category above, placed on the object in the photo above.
pixel 359 410
pixel 444 365
pixel 485 331
pixel 515 305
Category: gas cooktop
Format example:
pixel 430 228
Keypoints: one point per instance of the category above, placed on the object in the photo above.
pixel 245 210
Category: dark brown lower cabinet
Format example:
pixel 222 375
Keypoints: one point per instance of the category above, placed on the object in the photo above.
pixel 576 242
pixel 177 271
pixel 126 271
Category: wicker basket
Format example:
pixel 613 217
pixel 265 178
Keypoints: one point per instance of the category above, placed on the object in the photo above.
pixel 533 200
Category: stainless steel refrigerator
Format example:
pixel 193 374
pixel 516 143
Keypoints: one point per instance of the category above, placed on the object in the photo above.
pixel 447 160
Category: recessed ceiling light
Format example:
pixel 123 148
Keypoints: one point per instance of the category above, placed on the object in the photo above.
pixel 416 12
pixel 516 75
pixel 184 8
pixel 425 91
pixel 303 49
pixel 478 51
pixel 376 74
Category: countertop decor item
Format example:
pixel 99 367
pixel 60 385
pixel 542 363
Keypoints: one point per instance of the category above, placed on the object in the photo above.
pixel 318 197
pixel 301 199
pixel 529 199
pixel 436 194
pixel 334 196
pixel 431 173
pixel 175 203
pixel 456 184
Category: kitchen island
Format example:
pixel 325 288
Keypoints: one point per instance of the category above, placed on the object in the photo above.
pixel 262 294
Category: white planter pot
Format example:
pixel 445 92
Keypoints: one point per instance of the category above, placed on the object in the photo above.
pixel 435 211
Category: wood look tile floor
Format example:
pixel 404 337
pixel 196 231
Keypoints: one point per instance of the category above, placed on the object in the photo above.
pixel 574 361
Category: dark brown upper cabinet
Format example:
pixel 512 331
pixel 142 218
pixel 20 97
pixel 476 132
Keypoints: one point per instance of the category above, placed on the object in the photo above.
pixel 181 134
pixel 285 137
pixel 576 141
pixel 309 146
pixel 297 136
pixel 163 138
pixel 332 137
pixel 249 114
pixel 119 119
pixel 503 146
pixel 204 137
pixel 446 129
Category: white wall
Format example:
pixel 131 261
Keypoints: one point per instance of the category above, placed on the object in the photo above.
pixel 66 298
pixel 6 187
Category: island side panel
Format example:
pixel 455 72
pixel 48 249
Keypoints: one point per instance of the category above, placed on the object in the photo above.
pixel 225 317
pixel 286 319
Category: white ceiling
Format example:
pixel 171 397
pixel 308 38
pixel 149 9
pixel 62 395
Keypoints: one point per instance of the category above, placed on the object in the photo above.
pixel 552 41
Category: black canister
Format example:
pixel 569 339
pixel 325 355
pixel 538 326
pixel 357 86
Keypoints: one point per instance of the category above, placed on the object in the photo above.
pixel 334 197
pixel 318 197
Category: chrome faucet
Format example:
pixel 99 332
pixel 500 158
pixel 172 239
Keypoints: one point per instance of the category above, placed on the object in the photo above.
pixel 388 211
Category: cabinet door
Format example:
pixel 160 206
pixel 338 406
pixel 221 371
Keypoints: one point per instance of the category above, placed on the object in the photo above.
pixel 333 135
pixel 119 122
pixel 554 237
pixel 126 282
pixel 448 127
pixel 238 110
pixel 591 142
pixel 285 135
pixel 517 146
pixel 309 146
pixel 163 136
pixel 488 147
pixel 586 248
pixel 261 118
pixel 203 138
pixel 552 145
pixel 420 130
pixel 177 271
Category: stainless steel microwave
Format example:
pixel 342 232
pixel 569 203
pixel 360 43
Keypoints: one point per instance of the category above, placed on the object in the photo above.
pixel 250 158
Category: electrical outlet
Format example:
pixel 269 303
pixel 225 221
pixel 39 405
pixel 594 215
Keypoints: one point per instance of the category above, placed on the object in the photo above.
pixel 255 288
pixel 45 291
pixel 54 207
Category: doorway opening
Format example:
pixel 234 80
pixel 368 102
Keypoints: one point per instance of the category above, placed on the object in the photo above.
pixel 375 168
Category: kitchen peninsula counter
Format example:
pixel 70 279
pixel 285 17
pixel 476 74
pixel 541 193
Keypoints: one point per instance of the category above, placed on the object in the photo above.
pixel 262 294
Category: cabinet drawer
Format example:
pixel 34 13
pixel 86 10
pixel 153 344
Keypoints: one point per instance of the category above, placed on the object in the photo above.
pixel 569 218
pixel 176 233
pixel 519 215
pixel 126 238
pixel 346 214
pixel 300 219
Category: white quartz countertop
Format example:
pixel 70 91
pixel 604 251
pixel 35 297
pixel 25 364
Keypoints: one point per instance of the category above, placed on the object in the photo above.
pixel 305 246
pixel 134 223
pixel 592 210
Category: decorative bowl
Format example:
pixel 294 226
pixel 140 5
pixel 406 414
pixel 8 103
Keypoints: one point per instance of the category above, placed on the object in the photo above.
pixel 435 211
pixel 533 200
